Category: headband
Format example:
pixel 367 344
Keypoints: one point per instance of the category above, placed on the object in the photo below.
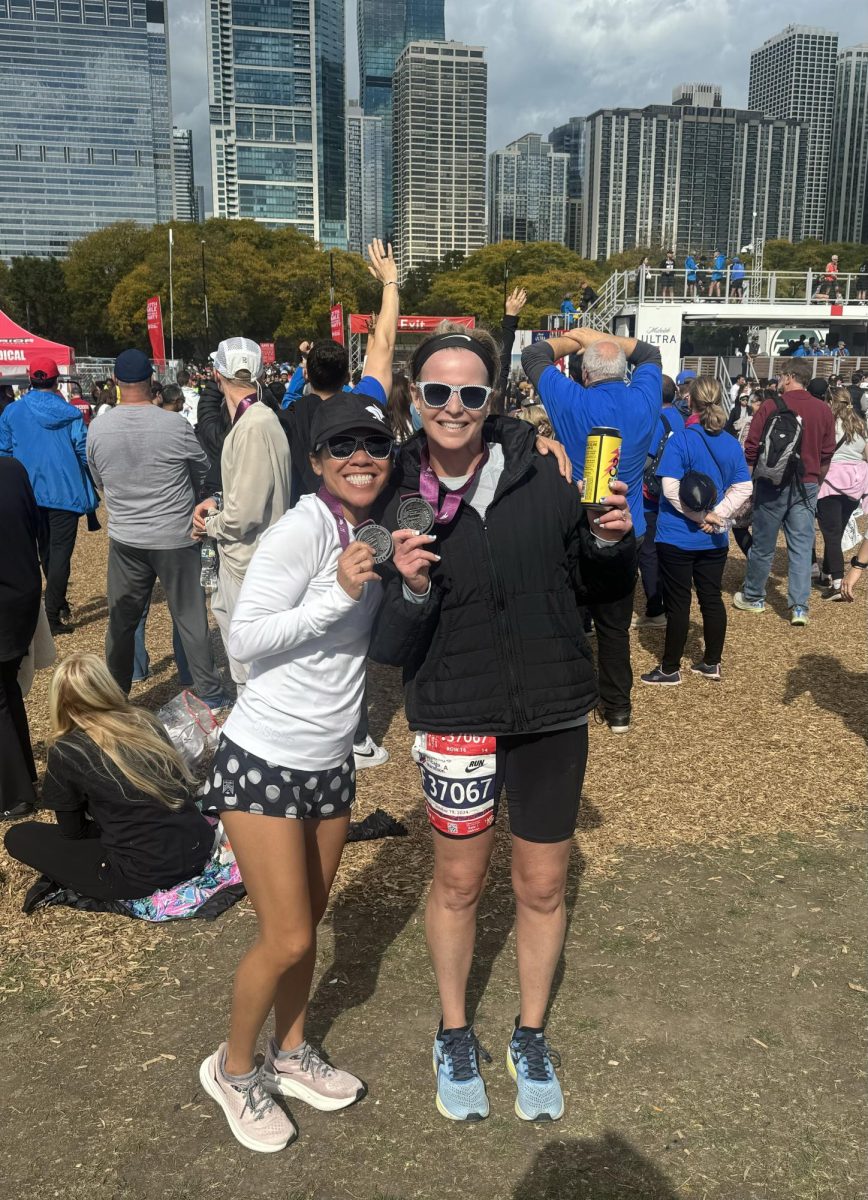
pixel 453 341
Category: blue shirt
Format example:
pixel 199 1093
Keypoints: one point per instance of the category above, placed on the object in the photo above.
pixel 690 268
pixel 632 407
pixel 568 307
pixel 719 266
pixel 737 271
pixel 676 423
pixel 719 456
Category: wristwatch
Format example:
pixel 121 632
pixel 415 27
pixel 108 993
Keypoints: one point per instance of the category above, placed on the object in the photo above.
pixel 860 566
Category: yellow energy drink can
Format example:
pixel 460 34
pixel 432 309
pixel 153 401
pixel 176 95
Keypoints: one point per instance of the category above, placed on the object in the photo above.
pixel 602 459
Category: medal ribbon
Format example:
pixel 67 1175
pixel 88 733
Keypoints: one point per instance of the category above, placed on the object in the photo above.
pixel 334 506
pixel 243 407
pixel 429 488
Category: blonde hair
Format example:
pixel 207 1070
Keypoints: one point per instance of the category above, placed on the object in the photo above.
pixel 841 405
pixel 83 695
pixel 706 401
pixel 537 416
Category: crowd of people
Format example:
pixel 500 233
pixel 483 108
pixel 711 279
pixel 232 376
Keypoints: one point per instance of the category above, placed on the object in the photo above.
pixel 416 517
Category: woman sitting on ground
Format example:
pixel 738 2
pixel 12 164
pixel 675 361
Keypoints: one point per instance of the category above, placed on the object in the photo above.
pixel 127 824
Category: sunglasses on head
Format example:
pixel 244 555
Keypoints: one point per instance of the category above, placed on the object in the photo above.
pixel 437 395
pixel 345 445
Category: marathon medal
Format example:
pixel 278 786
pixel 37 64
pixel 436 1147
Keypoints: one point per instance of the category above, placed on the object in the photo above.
pixel 378 538
pixel 414 512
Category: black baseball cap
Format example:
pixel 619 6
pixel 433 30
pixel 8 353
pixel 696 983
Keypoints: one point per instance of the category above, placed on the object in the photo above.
pixel 132 366
pixel 347 412
pixel 818 387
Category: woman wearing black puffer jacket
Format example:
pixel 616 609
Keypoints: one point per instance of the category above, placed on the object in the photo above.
pixel 483 614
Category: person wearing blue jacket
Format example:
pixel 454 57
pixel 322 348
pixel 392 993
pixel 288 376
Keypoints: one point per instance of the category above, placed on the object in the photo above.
pixel 717 274
pixel 568 311
pixel 48 438
pixel 296 385
pixel 604 397
pixel 690 281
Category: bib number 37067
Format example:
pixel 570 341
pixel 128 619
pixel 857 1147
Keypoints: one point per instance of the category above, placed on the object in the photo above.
pixel 458 778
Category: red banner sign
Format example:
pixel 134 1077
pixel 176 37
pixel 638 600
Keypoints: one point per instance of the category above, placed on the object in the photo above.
pixel 337 319
pixel 360 323
pixel 155 332
pixel 268 354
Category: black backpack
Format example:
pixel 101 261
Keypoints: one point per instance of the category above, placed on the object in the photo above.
pixel 650 478
pixel 779 460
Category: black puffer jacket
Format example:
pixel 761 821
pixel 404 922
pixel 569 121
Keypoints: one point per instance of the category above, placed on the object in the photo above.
pixel 498 646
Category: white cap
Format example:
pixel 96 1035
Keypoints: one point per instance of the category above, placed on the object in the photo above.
pixel 238 354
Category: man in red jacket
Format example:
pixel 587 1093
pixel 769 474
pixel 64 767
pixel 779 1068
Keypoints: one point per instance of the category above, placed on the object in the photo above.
pixel 792 506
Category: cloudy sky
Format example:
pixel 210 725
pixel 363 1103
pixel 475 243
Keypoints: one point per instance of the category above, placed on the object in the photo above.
pixel 552 59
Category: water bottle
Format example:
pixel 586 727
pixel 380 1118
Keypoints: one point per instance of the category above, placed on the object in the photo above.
pixel 208 572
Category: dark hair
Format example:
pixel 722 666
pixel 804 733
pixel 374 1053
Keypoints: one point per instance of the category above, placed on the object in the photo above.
pixel 798 370
pixel 172 394
pixel 398 408
pixel 328 366
pixel 183 378
pixel 670 391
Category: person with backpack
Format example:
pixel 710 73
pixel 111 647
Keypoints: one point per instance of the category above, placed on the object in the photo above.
pixel 670 422
pixel 704 480
pixel 790 446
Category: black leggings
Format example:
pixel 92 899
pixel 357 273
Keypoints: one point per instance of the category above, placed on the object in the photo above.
pixel 77 863
pixel 680 571
pixel 17 769
pixel 833 513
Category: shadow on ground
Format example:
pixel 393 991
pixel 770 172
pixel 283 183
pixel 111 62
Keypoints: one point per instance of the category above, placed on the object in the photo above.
pixel 605 1168
pixel 832 686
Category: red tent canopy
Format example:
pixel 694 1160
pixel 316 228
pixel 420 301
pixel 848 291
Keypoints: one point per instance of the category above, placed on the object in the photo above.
pixel 17 347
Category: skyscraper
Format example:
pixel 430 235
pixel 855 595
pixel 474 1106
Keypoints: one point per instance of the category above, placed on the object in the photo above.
pixel 85 124
pixel 847 214
pixel 570 139
pixel 793 75
pixel 277 110
pixel 185 203
pixel 364 178
pixel 527 192
pixel 440 113
pixel 699 95
pixel 690 178
pixel 385 27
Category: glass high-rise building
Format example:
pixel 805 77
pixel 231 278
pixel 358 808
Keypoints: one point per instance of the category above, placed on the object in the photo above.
pixel 277 92
pixel 85 120
pixel 527 192
pixel 364 179
pixel 847 213
pixel 690 179
pixel 569 139
pixel 793 75
pixel 440 117
pixel 385 27
pixel 186 203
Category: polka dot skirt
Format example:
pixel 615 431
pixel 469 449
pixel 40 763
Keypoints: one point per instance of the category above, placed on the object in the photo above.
pixel 242 782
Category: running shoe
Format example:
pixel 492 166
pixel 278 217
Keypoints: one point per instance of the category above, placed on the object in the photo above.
pixel 706 670
pixel 307 1076
pixel 663 678
pixel 531 1063
pixel 751 606
pixel 369 754
pixel 618 722
pixel 799 615
pixel 461 1094
pixel 832 592
pixel 656 622
pixel 254 1119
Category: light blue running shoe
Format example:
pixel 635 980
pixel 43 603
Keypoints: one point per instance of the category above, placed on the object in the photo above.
pixel 531 1062
pixel 461 1094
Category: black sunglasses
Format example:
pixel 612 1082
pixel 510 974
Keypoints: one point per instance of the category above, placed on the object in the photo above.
pixel 377 446
pixel 472 395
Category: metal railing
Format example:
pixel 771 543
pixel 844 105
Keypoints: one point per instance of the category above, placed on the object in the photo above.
pixel 628 289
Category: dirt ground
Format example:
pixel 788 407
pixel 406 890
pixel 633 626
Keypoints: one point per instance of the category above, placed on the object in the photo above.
pixel 710 1010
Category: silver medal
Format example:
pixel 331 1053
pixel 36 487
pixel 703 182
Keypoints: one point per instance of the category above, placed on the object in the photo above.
pixel 416 513
pixel 378 538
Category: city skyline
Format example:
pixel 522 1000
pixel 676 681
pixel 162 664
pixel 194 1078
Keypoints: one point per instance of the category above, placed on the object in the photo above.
pixel 590 62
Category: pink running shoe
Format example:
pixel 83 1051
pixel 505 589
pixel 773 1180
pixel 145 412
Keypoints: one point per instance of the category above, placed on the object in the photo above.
pixel 307 1076
pixel 255 1120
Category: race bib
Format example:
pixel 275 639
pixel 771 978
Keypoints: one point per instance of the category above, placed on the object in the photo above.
pixel 458 773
